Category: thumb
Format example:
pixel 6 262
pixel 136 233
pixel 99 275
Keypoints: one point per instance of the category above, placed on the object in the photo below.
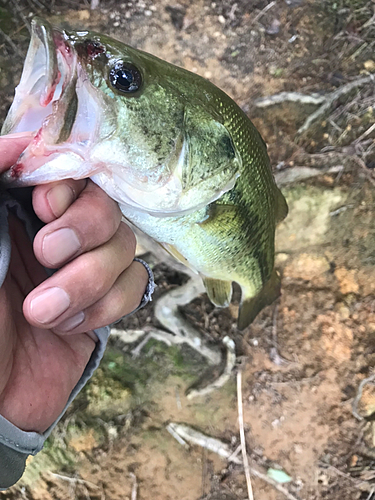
pixel 11 146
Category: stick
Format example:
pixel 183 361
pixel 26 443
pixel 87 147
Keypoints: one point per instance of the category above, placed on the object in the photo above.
pixel 224 377
pixel 330 100
pixel 184 432
pixel 134 487
pixel 187 434
pixel 365 134
pixel 276 485
pixel 242 436
pixel 274 351
pixel 314 99
pixel 262 12
pixel 11 43
pixel 73 480
pixel 359 395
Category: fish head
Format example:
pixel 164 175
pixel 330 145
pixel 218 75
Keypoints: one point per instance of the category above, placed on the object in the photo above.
pixel 147 132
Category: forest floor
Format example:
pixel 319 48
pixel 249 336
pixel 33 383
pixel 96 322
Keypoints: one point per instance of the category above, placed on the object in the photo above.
pixel 304 358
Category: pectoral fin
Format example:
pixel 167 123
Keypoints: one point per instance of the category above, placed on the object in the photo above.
pixel 251 306
pixel 177 255
pixel 219 292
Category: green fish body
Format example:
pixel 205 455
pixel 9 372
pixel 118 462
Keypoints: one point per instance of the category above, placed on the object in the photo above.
pixel 183 161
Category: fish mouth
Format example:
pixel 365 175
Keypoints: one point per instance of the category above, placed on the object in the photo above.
pixel 56 102
pixel 49 68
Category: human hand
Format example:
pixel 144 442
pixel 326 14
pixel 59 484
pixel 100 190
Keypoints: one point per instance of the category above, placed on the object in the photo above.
pixel 46 324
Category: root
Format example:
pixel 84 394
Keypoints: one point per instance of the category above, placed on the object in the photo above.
pixel 224 377
pixel 356 400
pixel 325 103
pixel 330 101
pixel 314 99
pixel 316 164
pixel 185 435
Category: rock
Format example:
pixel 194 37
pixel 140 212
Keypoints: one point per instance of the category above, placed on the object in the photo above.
pixel 308 267
pixel 309 218
pixel 366 404
pixel 83 442
pixel 369 65
pixel 336 338
pixel 347 279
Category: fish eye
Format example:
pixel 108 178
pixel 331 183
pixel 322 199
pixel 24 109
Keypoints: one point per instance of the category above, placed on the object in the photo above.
pixel 125 77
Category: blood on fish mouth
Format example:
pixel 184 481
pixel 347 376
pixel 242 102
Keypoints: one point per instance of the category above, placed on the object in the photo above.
pixel 63 116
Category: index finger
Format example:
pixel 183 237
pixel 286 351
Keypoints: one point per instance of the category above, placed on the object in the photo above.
pixel 11 146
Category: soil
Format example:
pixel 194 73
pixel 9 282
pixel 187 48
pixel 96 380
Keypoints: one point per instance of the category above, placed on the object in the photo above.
pixel 304 357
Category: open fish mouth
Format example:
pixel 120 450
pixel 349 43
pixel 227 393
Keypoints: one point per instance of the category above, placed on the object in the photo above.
pixel 48 70
pixel 56 102
pixel 63 99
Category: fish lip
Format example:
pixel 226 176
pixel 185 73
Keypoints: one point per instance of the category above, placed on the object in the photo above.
pixel 48 68
pixel 42 32
pixel 55 42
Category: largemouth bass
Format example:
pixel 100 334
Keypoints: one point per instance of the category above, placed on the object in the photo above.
pixel 183 161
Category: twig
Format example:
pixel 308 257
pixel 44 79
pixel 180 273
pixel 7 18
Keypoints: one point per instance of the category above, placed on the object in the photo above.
pixel 173 431
pixel 314 99
pixel 274 352
pixel 365 134
pixel 362 165
pixel 184 432
pixel 242 436
pixel 357 483
pixel 11 43
pixel 263 11
pixel 204 471
pixel 331 99
pixel 224 377
pixel 73 480
pixel 39 4
pixel 277 486
pixel 297 174
pixel 371 493
pixel 235 453
pixel 359 395
pixel 329 162
pixel 187 434
pixel 135 486
pixel 21 14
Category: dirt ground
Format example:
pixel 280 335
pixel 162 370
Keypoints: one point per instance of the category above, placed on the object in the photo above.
pixel 304 357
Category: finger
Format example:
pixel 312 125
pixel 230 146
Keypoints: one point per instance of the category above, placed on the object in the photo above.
pixel 11 146
pixel 50 201
pixel 122 299
pixel 81 282
pixel 24 268
pixel 88 223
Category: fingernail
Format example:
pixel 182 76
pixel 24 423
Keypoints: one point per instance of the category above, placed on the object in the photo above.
pixel 59 246
pixel 49 305
pixel 60 198
pixel 71 323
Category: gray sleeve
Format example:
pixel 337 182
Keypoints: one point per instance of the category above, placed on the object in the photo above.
pixel 12 466
pixel 16 445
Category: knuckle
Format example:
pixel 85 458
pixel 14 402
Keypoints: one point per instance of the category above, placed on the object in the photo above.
pixel 97 274
pixel 127 239
pixel 124 302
